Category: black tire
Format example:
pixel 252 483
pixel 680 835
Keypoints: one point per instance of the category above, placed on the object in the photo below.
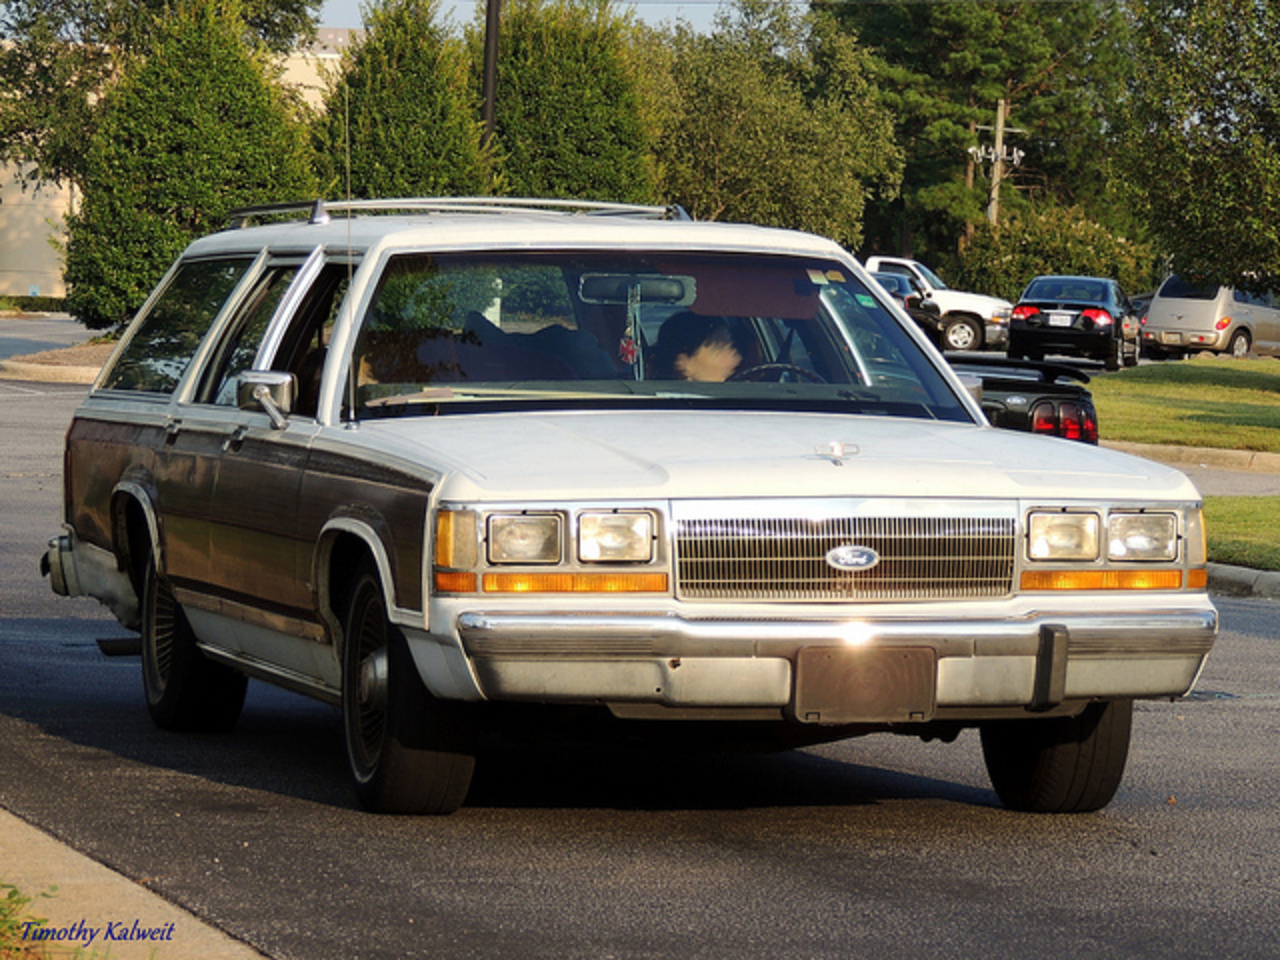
pixel 1115 355
pixel 1060 765
pixel 962 334
pixel 1238 345
pixel 185 690
pixel 408 751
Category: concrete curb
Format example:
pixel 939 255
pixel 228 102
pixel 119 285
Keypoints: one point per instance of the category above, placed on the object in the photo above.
pixel 46 372
pixel 1200 456
pixel 1243 582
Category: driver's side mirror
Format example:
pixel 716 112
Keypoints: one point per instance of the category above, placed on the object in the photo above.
pixel 273 391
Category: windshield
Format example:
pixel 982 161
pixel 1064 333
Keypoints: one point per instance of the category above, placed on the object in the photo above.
pixel 447 332
pixel 934 280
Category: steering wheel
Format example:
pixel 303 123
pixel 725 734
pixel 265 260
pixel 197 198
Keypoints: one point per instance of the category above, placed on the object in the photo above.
pixel 761 370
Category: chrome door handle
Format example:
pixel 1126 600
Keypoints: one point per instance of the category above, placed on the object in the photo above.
pixel 235 438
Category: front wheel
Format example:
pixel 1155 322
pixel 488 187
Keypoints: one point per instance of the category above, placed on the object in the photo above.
pixel 962 334
pixel 185 690
pixel 1059 765
pixel 408 751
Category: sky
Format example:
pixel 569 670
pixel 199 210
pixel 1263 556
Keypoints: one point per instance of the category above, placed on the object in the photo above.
pixel 698 13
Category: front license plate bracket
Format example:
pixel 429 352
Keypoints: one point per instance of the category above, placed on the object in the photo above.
pixel 866 685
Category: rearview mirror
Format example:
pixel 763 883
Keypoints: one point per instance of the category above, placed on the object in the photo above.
pixel 621 288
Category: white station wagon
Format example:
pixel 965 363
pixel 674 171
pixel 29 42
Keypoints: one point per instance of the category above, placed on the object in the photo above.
pixel 451 464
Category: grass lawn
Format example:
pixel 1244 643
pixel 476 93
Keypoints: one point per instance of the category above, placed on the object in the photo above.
pixel 1206 402
pixel 1244 531
pixel 1202 402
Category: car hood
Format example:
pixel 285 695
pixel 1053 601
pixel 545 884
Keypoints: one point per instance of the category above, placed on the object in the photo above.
pixel 974 301
pixel 673 455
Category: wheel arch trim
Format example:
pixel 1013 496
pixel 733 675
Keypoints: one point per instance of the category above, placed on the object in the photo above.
pixel 126 493
pixel 323 573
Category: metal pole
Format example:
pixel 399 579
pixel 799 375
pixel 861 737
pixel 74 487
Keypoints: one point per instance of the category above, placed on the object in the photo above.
pixel 490 66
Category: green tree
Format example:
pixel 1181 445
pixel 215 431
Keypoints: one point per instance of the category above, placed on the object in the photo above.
pixel 1205 121
pixel 943 67
pixel 568 118
pixel 58 58
pixel 404 108
pixel 196 128
pixel 775 121
pixel 1001 260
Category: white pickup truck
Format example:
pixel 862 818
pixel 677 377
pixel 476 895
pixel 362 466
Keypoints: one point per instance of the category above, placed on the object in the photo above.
pixel 971 320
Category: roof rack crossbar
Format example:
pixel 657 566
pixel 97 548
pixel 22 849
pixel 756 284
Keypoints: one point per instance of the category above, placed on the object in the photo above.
pixel 321 211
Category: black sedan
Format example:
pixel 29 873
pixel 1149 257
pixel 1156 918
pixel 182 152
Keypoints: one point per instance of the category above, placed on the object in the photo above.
pixel 1076 316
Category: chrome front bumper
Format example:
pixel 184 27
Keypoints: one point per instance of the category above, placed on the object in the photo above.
pixel 860 670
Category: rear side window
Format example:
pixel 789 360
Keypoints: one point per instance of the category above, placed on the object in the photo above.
pixel 162 343
pixel 1179 289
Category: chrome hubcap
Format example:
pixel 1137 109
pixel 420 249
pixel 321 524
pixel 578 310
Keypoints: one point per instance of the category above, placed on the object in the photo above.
pixel 373 681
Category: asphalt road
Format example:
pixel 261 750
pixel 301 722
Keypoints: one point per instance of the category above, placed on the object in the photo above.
pixel 879 848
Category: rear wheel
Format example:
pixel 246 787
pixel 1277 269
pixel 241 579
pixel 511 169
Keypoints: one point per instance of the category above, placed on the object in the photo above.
pixel 1238 346
pixel 185 690
pixel 1115 355
pixel 408 751
pixel 1060 765
pixel 1131 353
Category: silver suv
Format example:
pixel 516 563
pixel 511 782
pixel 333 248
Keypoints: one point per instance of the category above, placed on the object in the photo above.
pixel 1185 319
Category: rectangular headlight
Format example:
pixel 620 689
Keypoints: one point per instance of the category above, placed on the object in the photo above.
pixel 524 538
pixel 1142 536
pixel 1063 536
pixel 615 537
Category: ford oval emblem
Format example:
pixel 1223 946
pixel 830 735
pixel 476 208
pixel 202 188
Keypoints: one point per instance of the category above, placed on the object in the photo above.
pixel 852 557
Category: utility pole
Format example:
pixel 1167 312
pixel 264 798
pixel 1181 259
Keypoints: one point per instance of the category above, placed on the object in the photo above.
pixel 997 165
pixel 492 11
pixel 998 156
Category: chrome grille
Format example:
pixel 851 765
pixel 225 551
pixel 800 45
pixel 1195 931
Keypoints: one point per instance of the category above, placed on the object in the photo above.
pixel 921 558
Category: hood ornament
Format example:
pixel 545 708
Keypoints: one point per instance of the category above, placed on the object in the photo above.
pixel 837 451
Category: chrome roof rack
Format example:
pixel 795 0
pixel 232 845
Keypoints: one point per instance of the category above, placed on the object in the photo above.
pixel 322 211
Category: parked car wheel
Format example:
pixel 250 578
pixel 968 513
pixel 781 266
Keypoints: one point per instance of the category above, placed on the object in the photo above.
pixel 1238 347
pixel 1115 355
pixel 1131 352
pixel 1061 765
pixel 185 690
pixel 962 334
pixel 408 751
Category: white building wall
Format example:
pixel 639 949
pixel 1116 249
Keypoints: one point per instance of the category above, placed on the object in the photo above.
pixel 31 238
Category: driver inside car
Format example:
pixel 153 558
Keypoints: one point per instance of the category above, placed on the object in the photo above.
pixel 693 347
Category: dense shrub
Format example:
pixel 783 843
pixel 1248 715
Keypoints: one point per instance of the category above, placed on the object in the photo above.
pixel 196 128
pixel 567 121
pixel 1000 260
pixel 404 105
